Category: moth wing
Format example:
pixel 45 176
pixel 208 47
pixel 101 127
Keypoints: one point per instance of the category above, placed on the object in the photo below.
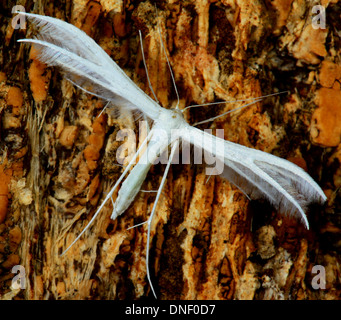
pixel 86 64
pixel 261 175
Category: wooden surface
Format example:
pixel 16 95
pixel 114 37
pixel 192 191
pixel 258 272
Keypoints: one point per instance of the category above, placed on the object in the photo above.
pixel 208 241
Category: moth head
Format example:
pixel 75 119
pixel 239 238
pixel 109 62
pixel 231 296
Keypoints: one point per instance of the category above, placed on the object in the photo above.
pixel 171 119
pixel 177 113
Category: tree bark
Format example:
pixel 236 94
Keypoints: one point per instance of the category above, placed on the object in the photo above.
pixel 208 241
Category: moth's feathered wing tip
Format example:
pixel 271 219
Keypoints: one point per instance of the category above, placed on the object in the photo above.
pixel 305 222
pixel 26 40
pixel 302 216
pixel 24 13
pixel 323 198
pixel 318 200
pixel 33 16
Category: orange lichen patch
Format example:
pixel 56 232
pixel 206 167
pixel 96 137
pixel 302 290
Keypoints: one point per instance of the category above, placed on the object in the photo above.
pixel 92 164
pixel 99 125
pixel 91 17
pixel 3 76
pixel 329 73
pixel 39 77
pixel 325 3
pixel 325 126
pixel 96 141
pixel 311 45
pixel 337 86
pixel 91 153
pixel 15 98
pixel 68 136
pixel 5 178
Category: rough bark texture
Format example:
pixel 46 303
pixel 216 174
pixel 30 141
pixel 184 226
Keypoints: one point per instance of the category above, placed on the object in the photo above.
pixel 208 241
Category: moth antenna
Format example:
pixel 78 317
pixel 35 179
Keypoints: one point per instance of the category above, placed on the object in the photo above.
pixel 169 65
pixel 103 109
pixel 225 113
pixel 85 90
pixel 137 225
pixel 145 66
pixel 109 195
pixel 150 219
pixel 232 101
pixel 90 92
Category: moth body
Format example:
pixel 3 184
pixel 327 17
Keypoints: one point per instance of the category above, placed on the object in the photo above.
pixel 165 131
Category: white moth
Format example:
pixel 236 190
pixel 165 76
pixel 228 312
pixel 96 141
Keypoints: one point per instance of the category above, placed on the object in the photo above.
pixel 260 175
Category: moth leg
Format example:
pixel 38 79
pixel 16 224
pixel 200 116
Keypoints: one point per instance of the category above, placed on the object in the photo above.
pixel 145 66
pixel 150 219
pixel 227 112
pixel 233 101
pixel 144 222
pixel 137 225
pixel 109 195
